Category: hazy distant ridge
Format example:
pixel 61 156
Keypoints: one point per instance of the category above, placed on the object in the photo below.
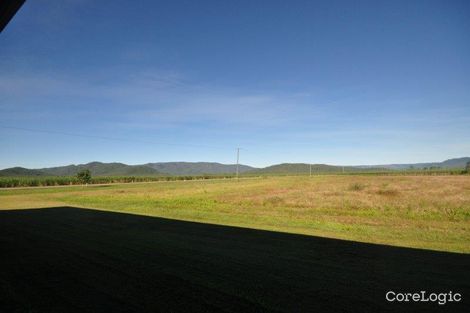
pixel 121 169
pixel 450 163
pixel 101 169
pixel 198 168
pixel 191 168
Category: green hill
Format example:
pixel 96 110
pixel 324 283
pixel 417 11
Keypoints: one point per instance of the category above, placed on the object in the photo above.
pixel 297 168
pixel 200 168
pixel 302 168
pixel 120 169
pixel 101 169
pixel 20 171
pixel 456 163
pixel 195 168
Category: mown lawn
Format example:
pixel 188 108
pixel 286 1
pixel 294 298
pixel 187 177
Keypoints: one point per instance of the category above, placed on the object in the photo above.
pixel 429 212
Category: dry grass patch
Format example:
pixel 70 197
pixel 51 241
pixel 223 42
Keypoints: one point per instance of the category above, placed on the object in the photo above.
pixel 356 187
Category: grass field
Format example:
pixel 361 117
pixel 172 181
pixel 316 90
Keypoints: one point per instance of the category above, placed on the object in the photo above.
pixel 429 212
pixel 78 260
pixel 132 247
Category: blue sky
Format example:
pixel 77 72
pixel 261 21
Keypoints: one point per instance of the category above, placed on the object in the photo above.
pixel 337 82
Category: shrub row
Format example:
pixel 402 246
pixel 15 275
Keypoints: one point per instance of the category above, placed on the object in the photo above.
pixel 72 180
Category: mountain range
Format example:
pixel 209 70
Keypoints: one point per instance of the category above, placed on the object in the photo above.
pixel 194 168
pixel 121 169
pixel 199 168
pixel 450 163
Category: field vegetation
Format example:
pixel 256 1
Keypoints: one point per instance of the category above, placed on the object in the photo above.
pixel 38 181
pixel 430 212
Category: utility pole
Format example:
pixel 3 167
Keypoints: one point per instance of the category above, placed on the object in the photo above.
pixel 238 158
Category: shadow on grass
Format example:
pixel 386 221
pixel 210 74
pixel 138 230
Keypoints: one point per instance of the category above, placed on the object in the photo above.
pixel 78 260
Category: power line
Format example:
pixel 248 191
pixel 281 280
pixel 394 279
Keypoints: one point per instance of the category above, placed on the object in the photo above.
pixel 238 158
pixel 109 138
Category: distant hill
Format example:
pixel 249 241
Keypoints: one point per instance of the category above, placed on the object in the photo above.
pixel 195 168
pixel 450 163
pixel 297 168
pixel 293 168
pixel 199 168
pixel 96 168
pixel 20 171
pixel 101 169
pixel 120 169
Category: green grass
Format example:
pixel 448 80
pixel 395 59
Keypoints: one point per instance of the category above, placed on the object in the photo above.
pixel 42 181
pixel 429 212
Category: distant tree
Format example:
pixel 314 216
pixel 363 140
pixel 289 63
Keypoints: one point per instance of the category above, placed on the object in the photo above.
pixel 467 168
pixel 84 176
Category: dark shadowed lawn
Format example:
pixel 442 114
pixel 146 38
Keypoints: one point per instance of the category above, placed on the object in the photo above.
pixel 78 260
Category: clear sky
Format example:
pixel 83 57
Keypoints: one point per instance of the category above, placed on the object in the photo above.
pixel 337 82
